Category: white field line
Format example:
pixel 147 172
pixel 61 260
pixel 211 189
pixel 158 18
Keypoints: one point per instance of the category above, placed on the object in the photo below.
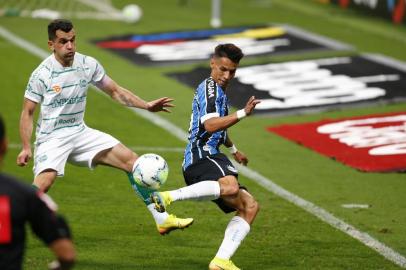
pixel 356 205
pixel 134 148
pixel 319 212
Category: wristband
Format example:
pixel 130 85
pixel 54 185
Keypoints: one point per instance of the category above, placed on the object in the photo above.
pixel 232 149
pixel 241 114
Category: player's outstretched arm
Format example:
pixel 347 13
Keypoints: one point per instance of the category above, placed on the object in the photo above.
pixel 127 98
pixel 220 123
pixel 26 126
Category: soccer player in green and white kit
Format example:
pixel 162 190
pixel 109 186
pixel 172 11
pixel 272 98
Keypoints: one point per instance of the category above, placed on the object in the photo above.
pixel 59 85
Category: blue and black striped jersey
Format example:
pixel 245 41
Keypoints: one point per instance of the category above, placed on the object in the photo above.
pixel 209 101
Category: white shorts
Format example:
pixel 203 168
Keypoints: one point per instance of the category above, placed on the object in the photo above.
pixel 79 149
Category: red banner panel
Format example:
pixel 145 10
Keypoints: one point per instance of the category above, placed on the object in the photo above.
pixel 373 143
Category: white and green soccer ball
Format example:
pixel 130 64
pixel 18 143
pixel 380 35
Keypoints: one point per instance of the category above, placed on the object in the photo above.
pixel 150 171
pixel 131 13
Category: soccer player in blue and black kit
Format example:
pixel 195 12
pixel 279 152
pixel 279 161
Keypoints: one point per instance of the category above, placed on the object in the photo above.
pixel 208 173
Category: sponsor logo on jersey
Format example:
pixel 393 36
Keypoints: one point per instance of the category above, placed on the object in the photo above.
pixel 210 88
pixel 232 169
pixel 64 122
pixel 374 143
pixel 66 101
pixel 83 83
pixel 56 88
pixel 42 158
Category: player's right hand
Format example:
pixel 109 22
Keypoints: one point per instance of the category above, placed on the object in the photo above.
pixel 24 157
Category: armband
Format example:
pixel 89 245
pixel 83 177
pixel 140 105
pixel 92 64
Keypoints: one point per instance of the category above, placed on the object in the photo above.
pixel 232 149
pixel 241 114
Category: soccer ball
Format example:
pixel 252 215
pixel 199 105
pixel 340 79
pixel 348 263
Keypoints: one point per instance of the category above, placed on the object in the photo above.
pixel 150 171
pixel 131 13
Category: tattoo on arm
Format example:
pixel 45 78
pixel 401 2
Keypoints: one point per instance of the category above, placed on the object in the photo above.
pixel 125 99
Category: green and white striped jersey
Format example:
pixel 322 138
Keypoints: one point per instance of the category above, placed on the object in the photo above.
pixel 62 92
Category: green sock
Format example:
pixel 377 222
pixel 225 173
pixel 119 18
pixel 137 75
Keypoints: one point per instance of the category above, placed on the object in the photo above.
pixel 142 192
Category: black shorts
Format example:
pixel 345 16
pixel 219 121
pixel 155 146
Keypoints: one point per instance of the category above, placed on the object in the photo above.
pixel 211 168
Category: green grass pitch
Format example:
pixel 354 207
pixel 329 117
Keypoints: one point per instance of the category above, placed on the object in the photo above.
pixel 112 228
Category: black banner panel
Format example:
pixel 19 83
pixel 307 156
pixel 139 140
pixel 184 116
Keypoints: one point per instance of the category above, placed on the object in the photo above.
pixel 311 85
pixel 189 46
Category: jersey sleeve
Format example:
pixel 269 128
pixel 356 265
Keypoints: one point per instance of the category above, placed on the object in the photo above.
pixel 36 87
pixel 208 99
pixel 45 223
pixel 97 70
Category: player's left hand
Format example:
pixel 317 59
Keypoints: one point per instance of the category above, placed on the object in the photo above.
pixel 251 103
pixel 161 104
pixel 241 158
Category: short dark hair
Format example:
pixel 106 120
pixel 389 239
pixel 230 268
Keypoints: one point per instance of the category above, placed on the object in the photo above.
pixel 58 24
pixel 230 51
pixel 2 129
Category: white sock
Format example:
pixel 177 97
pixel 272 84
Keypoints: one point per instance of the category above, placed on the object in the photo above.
pixel 159 217
pixel 205 190
pixel 235 232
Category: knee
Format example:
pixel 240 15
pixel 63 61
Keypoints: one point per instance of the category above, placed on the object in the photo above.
pixel 233 189
pixel 229 186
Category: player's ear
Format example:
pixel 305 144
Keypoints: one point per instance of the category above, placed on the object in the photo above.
pixel 51 45
pixel 212 63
